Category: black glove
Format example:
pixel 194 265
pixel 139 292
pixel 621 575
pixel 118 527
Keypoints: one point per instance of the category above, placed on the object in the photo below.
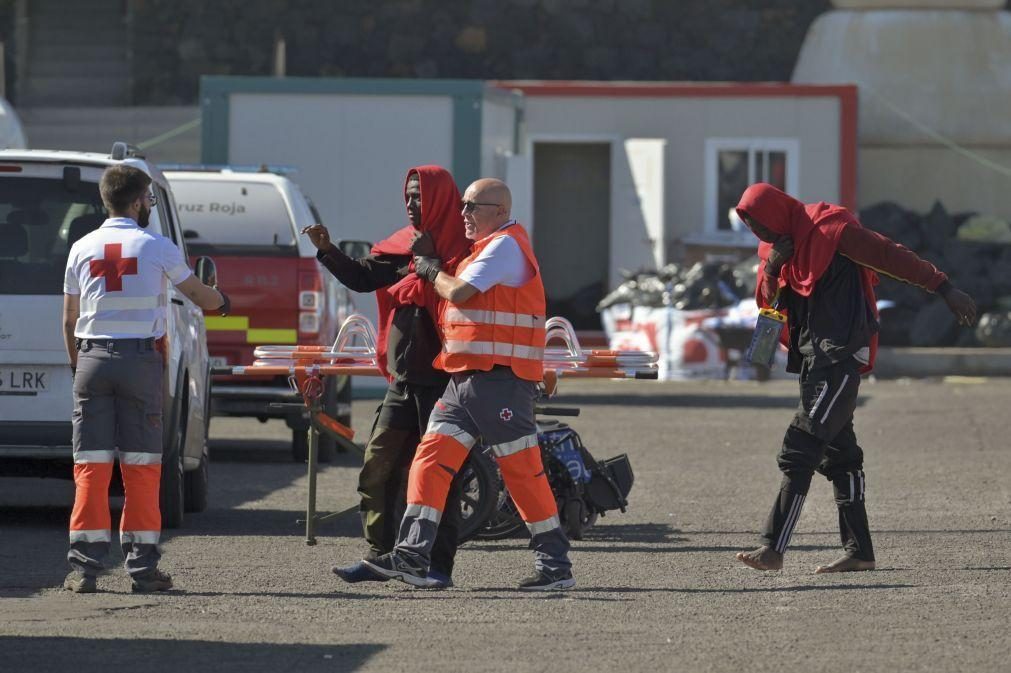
pixel 226 307
pixel 427 267
pixel 422 245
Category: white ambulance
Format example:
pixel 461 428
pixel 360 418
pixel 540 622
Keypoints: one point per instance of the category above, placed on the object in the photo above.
pixel 49 200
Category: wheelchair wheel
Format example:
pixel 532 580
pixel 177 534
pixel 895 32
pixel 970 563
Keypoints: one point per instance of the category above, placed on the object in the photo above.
pixel 505 520
pixel 479 498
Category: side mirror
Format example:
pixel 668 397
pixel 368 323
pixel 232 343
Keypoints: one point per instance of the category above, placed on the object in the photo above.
pixel 355 249
pixel 206 271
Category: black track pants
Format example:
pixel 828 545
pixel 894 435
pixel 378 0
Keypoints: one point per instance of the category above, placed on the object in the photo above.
pixel 821 438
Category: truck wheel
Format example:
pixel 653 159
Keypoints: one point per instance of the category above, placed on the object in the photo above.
pixel 172 484
pixel 337 404
pixel 196 483
pixel 299 443
pixel 331 404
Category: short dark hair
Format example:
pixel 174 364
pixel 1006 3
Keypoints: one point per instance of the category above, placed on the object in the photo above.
pixel 122 185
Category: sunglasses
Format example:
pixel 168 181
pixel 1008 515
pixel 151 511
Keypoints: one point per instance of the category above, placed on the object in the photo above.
pixel 471 206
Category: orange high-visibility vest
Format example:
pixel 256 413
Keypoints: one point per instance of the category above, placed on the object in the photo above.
pixel 503 326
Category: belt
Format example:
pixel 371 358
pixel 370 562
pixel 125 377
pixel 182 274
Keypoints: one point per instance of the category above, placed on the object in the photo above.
pixel 116 345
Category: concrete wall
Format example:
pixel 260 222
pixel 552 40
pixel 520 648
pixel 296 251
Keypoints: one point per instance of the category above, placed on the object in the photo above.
pixel 498 136
pixel 928 78
pixel 916 176
pixel 685 123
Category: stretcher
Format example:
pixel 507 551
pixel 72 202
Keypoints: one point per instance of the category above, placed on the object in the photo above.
pixel 353 353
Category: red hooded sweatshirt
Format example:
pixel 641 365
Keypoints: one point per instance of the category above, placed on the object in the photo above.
pixel 441 218
pixel 819 231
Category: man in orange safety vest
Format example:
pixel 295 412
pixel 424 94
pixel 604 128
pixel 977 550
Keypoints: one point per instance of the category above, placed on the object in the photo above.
pixel 492 320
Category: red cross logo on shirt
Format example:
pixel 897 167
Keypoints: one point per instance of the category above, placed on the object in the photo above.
pixel 506 414
pixel 113 267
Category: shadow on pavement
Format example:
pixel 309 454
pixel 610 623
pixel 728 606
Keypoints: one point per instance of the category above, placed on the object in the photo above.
pixel 193 656
pixel 685 401
pixel 746 590
pixel 633 532
pixel 953 531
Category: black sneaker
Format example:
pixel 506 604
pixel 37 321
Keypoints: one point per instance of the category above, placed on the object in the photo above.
pixel 396 567
pixel 544 582
pixel 357 572
pixel 80 583
pixel 156 580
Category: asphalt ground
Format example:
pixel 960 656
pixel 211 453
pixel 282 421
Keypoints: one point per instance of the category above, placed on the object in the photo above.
pixel 658 587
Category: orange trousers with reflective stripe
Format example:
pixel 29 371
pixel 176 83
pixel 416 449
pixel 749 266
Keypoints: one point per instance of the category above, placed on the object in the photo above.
pixel 439 458
pixel 141 507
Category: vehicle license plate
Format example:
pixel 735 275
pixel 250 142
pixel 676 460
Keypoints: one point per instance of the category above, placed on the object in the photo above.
pixel 25 381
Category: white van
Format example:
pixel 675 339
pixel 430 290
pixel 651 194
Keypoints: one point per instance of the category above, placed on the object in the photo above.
pixel 49 200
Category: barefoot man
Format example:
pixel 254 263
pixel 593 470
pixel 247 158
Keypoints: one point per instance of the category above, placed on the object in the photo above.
pixel 818 263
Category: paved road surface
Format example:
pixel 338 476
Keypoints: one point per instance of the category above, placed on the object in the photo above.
pixel 658 586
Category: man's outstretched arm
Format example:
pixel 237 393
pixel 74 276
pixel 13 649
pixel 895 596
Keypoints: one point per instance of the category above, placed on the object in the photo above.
pixel 880 253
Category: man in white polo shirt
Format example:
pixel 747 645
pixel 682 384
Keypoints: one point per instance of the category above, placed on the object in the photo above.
pixel 492 321
pixel 114 312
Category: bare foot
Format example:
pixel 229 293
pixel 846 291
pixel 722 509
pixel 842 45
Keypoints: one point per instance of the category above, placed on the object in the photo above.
pixel 763 558
pixel 845 564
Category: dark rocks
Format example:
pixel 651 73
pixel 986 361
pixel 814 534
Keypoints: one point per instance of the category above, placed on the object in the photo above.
pixel 994 329
pixel 981 269
pixel 934 325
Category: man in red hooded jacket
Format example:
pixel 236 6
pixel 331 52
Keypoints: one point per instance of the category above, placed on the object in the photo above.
pixel 408 344
pixel 819 266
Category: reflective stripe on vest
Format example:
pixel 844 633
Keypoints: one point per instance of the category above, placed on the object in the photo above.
pixel 502 326
pixel 473 316
pixel 493 348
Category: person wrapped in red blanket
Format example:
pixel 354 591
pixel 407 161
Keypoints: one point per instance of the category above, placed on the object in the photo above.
pixel 819 266
pixel 408 345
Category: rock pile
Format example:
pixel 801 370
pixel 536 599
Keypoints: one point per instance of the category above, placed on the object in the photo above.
pixel 974 251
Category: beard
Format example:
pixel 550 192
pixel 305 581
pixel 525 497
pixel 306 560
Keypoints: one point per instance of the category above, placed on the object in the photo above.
pixel 144 217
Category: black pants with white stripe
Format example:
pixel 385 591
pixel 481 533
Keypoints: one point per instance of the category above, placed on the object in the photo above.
pixel 821 439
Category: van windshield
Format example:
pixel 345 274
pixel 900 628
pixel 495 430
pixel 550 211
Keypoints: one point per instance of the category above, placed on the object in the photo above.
pixel 226 217
pixel 40 218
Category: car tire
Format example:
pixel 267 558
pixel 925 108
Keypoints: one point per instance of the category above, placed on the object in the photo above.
pixel 300 444
pixel 172 497
pixel 197 483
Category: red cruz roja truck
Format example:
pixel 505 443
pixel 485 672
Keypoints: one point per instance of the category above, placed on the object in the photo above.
pixel 249 219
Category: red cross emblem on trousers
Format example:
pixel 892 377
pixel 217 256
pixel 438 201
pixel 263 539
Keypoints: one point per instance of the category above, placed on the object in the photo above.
pixel 113 267
pixel 506 414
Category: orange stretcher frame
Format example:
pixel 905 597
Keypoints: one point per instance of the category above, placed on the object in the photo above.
pixel 307 366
